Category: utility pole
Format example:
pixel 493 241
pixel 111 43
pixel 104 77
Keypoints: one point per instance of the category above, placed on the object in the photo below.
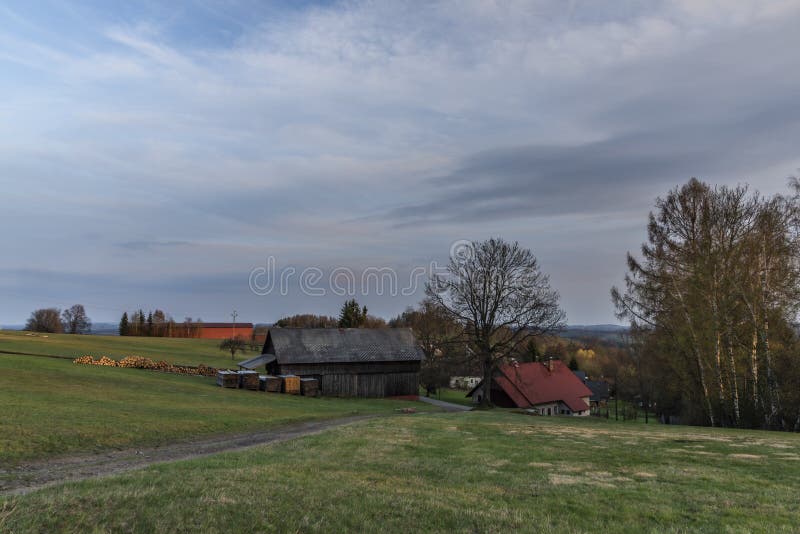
pixel 234 315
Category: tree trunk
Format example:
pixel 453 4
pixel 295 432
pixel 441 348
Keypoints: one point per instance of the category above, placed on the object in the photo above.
pixel 734 381
pixel 754 366
pixel 488 371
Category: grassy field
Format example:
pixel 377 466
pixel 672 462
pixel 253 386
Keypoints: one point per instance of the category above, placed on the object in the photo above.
pixel 451 472
pixel 173 350
pixel 53 407
pixel 456 396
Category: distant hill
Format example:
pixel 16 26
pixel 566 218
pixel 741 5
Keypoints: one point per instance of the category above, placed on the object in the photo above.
pixel 610 333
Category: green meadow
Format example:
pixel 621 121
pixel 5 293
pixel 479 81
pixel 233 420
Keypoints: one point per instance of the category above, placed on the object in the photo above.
pixel 172 350
pixel 53 407
pixel 454 472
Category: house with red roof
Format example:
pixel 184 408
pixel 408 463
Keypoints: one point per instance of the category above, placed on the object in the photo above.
pixel 548 387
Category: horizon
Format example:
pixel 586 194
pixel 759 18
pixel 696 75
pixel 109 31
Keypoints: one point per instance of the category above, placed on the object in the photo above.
pixel 157 156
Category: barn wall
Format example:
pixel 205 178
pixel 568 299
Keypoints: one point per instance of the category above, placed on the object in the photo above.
pixel 361 380
pixel 224 333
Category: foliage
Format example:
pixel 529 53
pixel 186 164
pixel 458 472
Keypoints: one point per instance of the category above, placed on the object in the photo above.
pixel 307 320
pixel 500 298
pixel 438 337
pixel 352 315
pixel 158 323
pixel 234 345
pixel 124 325
pixel 75 320
pixel 45 320
pixel 711 304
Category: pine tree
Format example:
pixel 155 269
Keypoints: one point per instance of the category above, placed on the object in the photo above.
pixel 150 323
pixel 352 315
pixel 573 364
pixel 124 327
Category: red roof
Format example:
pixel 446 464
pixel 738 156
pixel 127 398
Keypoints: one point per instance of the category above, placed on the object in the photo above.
pixel 530 384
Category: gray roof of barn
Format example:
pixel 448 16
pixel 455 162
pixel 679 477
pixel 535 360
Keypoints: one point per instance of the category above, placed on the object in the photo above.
pixel 258 361
pixel 343 345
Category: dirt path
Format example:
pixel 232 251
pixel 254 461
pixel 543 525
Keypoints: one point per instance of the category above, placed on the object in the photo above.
pixel 25 478
pixel 446 406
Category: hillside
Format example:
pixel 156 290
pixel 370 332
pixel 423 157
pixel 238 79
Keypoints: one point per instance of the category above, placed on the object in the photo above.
pixel 173 350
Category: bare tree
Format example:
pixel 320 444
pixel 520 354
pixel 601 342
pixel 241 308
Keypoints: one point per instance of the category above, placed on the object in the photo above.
pixel 438 337
pixel 75 320
pixel 499 297
pixel 45 320
pixel 234 345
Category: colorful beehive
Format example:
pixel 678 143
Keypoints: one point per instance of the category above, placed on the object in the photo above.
pixel 227 379
pixel 272 384
pixel 291 384
pixel 248 380
pixel 309 387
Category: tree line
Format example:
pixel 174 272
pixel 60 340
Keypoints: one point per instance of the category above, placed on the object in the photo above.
pixel 712 301
pixel 158 324
pixel 73 320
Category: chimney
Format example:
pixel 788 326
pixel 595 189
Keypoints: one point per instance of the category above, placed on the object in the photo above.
pixel 549 364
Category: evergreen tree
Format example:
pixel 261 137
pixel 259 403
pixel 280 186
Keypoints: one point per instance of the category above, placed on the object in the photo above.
pixel 573 364
pixel 124 327
pixel 352 315
pixel 150 323
pixel 140 323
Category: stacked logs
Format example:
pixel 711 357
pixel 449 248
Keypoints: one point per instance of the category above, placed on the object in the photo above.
pixel 138 362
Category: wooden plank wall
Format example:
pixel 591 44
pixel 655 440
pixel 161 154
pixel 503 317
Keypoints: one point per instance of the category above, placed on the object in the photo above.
pixel 361 379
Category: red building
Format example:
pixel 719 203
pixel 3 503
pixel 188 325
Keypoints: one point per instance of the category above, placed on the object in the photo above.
pixel 223 330
pixel 549 387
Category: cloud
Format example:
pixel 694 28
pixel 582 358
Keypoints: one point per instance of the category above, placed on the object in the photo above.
pixel 358 130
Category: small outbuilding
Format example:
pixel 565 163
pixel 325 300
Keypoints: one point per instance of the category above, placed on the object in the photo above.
pixel 548 387
pixel 347 362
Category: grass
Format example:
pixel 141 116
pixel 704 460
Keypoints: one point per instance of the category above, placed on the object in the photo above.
pixel 456 396
pixel 173 350
pixel 451 472
pixel 54 407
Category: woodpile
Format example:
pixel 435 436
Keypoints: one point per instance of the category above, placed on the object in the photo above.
pixel 248 380
pixel 309 387
pixel 137 362
pixel 291 384
pixel 227 379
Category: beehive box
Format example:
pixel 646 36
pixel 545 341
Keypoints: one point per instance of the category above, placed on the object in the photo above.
pixel 248 380
pixel 272 383
pixel 262 382
pixel 291 384
pixel 227 379
pixel 309 387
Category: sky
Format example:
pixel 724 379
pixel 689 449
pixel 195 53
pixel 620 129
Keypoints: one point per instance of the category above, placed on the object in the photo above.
pixel 203 157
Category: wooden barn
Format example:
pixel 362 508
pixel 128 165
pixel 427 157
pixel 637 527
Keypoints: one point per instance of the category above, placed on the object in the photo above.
pixel 348 362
